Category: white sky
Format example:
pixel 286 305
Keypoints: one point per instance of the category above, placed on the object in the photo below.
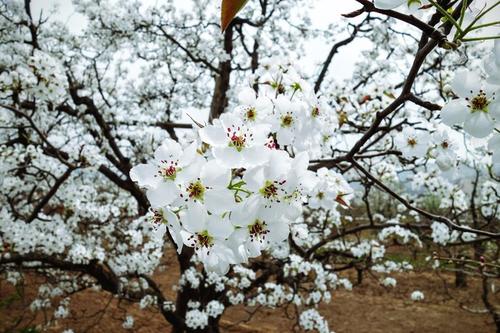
pixel 324 13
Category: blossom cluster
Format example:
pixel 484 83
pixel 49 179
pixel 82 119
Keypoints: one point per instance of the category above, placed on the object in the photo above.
pixel 417 295
pixel 439 146
pixel 312 320
pixel 477 103
pixel 234 190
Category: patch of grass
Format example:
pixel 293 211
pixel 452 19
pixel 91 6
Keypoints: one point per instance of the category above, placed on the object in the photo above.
pixel 6 301
pixel 29 330
pixel 417 262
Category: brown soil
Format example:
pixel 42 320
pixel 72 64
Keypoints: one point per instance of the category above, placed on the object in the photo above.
pixel 368 308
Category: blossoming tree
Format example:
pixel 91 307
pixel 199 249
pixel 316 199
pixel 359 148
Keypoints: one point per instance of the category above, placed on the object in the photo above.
pixel 151 134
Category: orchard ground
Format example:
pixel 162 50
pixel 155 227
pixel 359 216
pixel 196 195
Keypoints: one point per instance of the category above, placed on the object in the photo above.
pixel 369 307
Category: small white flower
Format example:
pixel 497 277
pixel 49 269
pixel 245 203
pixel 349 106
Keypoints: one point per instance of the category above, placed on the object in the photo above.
pixel 214 309
pixel 444 150
pixel 256 232
pixel 235 143
pixel 477 106
pixel 196 319
pixel 412 143
pixel 440 233
pixel 128 323
pixel 417 296
pixel 253 109
pixel 311 320
pixel 206 234
pixel 389 282
pixel 161 177
pixel 286 120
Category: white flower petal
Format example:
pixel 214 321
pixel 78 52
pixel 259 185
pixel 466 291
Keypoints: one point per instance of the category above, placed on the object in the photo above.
pixel 445 161
pixel 260 134
pixel 285 136
pixel 283 104
pixel 494 110
pixel 194 218
pixel 496 52
pixel 254 178
pixel 464 82
pixel 494 143
pixel 159 231
pixel 293 210
pixel 229 157
pixel 174 228
pixel 219 200
pixel 190 172
pixel 245 213
pixel 254 156
pixel 213 135
pixel 388 4
pixel 190 155
pixel 163 194
pixel 272 212
pixel 219 227
pixel 218 260
pixel 263 106
pixel 145 175
pixel 247 96
pixel 169 150
pixel 229 120
pixel 278 231
pixel 301 161
pixel 479 125
pixel 454 112
pixel 186 238
pixel 215 175
pixel 495 158
pixel 279 164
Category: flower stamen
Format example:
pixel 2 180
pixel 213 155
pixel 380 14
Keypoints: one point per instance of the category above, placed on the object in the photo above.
pixel 287 120
pixel 258 230
pixel 196 190
pixel 168 170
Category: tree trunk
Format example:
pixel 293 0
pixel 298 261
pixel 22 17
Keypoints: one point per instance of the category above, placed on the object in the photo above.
pixel 491 309
pixel 219 99
pixel 460 276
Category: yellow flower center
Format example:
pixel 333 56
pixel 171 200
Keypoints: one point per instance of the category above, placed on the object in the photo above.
pixel 251 114
pixel 269 190
pixel 479 102
pixel 412 142
pixel 196 190
pixel 258 228
pixel 203 239
pixel 315 112
pixel 286 120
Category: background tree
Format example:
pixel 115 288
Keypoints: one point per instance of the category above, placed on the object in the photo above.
pixel 79 110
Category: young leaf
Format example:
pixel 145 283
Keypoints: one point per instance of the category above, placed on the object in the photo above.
pixel 229 9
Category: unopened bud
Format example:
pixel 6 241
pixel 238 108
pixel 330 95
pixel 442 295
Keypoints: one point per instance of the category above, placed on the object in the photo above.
pixel 447 89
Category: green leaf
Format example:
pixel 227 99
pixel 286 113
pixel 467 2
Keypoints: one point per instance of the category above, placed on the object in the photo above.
pixel 229 9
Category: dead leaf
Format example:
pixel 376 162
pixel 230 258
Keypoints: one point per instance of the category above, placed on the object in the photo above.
pixel 341 200
pixel 229 9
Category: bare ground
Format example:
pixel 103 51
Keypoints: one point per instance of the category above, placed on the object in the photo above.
pixel 369 307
